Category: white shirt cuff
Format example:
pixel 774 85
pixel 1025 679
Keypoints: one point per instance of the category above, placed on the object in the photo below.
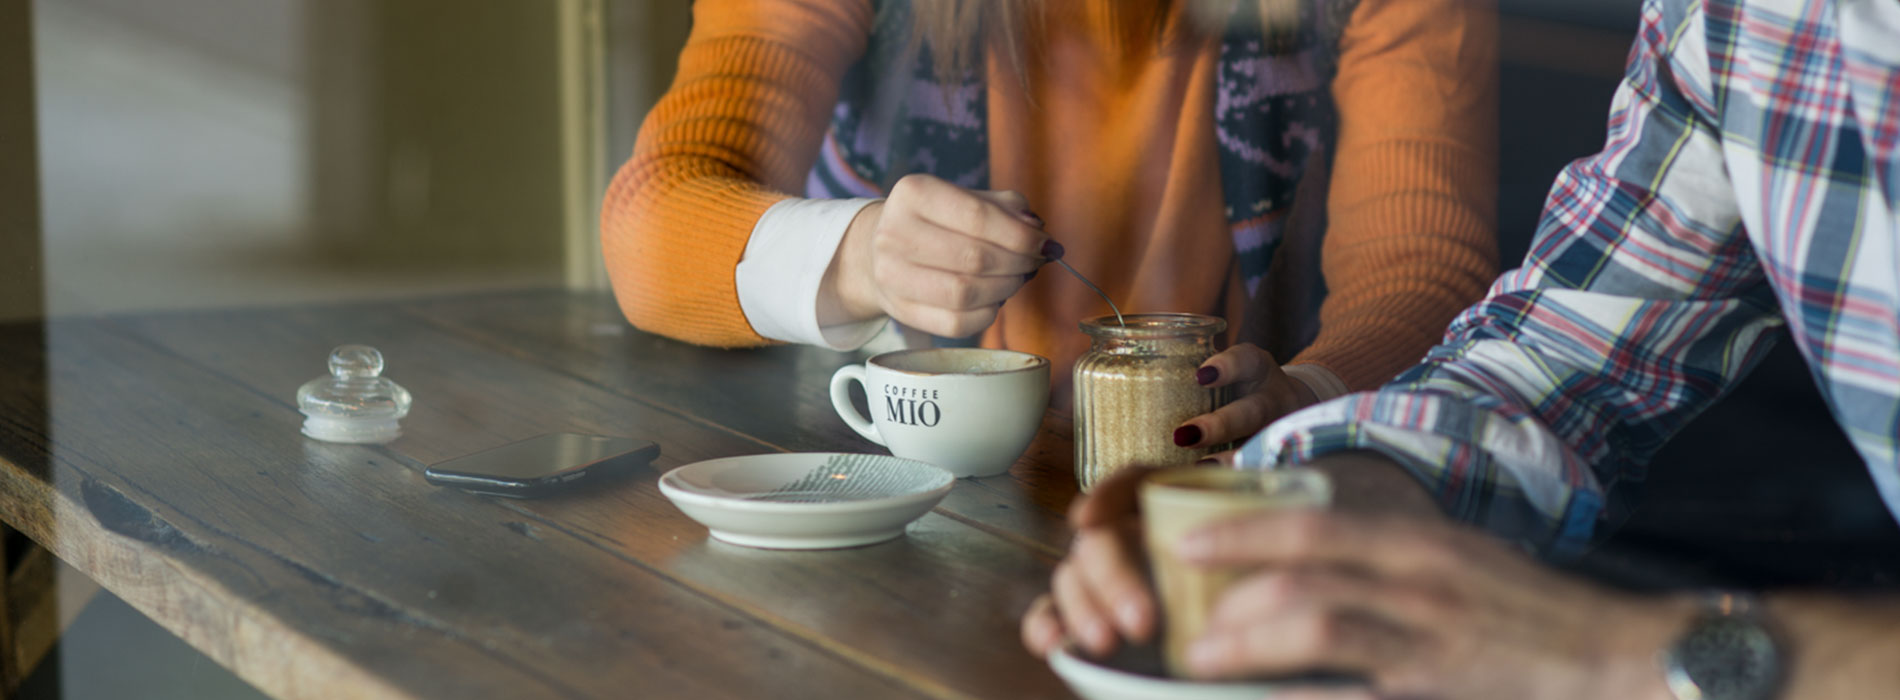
pixel 785 261
pixel 1323 383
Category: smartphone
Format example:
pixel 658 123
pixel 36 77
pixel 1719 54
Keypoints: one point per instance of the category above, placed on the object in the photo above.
pixel 542 465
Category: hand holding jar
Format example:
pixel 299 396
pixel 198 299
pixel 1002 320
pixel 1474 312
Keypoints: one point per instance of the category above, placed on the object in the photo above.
pixel 1262 391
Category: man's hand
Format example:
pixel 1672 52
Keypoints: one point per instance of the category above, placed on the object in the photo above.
pixel 1100 594
pixel 1422 609
pixel 936 257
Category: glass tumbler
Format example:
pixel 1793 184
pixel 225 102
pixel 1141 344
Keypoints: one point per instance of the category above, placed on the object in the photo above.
pixel 1135 385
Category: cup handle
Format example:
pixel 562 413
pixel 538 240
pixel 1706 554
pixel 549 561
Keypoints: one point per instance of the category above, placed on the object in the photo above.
pixel 841 400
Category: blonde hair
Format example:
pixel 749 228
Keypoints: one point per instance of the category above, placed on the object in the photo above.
pixel 952 28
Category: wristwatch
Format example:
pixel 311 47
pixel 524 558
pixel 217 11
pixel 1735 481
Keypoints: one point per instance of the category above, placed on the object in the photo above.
pixel 1727 653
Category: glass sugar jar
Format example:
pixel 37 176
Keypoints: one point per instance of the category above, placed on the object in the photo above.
pixel 1135 385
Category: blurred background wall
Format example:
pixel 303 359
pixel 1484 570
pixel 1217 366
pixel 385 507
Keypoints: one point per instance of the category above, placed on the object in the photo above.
pixel 217 152
pixel 1560 63
pixel 20 259
pixel 214 152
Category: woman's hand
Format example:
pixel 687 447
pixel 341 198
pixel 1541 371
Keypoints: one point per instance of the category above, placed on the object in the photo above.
pixel 1264 392
pixel 1099 594
pixel 937 257
pixel 1421 608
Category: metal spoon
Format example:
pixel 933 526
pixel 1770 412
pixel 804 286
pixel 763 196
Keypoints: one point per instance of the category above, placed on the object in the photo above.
pixel 1098 290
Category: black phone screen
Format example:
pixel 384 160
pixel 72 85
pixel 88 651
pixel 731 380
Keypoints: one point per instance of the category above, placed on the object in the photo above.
pixel 543 463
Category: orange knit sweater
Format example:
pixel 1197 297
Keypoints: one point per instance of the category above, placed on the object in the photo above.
pixel 1131 188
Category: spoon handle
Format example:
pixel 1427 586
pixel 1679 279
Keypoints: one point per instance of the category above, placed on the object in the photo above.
pixel 1098 290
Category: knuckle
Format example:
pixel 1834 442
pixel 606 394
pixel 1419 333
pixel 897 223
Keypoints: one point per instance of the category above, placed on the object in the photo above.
pixel 1022 239
pixel 959 292
pixel 910 186
pixel 972 211
pixel 1305 532
pixel 900 191
pixel 969 259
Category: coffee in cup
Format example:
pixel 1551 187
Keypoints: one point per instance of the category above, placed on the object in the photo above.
pixel 971 411
pixel 1175 502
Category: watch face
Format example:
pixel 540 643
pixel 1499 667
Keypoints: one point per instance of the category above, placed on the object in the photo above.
pixel 1730 658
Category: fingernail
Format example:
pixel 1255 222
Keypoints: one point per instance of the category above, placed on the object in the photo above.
pixel 1030 218
pixel 1187 435
pixel 1206 375
pixel 1129 613
pixel 1051 249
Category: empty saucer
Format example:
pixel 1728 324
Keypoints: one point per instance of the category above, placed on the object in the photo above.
pixel 808 500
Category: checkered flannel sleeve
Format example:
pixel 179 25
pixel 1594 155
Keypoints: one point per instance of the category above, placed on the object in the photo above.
pixel 1639 303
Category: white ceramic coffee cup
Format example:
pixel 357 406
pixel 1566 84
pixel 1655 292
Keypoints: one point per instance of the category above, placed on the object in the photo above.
pixel 971 411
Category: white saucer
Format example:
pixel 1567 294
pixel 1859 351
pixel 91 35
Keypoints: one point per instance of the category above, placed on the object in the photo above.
pixel 1096 681
pixel 810 500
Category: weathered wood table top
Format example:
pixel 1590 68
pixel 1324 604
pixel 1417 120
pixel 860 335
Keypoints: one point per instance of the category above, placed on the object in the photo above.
pixel 161 455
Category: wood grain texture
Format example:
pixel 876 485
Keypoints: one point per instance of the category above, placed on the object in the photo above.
pixel 935 611
pixel 777 395
pixel 317 570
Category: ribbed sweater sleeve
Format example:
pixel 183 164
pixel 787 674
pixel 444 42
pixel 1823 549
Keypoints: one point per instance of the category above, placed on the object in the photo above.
pixel 737 132
pixel 1412 207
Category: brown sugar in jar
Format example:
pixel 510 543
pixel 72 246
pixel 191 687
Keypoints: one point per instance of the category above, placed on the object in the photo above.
pixel 1135 385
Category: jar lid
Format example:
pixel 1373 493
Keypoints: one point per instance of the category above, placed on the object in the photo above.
pixel 355 404
pixel 1164 325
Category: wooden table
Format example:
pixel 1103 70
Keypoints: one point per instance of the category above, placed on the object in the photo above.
pixel 160 455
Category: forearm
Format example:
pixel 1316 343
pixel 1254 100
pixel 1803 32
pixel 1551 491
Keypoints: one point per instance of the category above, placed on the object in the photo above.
pixel 732 137
pixel 1370 482
pixel 1411 232
pixel 1838 646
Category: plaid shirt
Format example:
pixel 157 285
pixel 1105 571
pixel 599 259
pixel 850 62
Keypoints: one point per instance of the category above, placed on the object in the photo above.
pixel 1750 179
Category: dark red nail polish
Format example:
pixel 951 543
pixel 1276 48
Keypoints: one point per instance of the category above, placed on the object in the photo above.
pixel 1187 435
pixel 1206 375
pixel 1051 249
